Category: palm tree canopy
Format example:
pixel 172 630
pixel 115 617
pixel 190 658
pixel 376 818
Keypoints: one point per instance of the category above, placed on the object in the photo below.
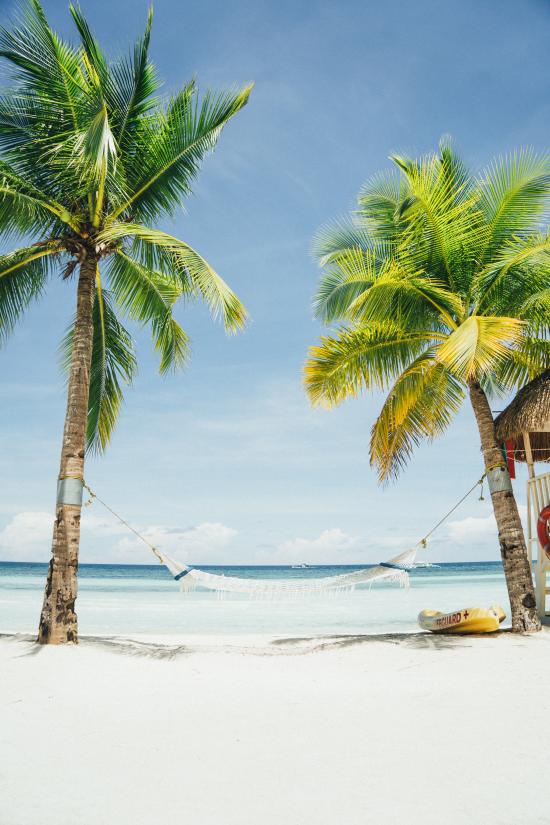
pixel 90 157
pixel 440 278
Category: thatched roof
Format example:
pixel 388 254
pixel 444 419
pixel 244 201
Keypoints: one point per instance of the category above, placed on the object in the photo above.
pixel 528 412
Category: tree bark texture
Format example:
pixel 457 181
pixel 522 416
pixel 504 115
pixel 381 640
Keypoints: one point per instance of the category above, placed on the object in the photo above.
pixel 513 550
pixel 58 621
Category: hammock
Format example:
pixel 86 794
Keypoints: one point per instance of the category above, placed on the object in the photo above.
pixel 189 578
pixel 395 569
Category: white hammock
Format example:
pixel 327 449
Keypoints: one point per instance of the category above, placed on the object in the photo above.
pixel 395 569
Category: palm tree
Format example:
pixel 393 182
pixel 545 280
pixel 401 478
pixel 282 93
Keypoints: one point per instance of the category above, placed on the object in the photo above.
pixel 90 159
pixel 441 286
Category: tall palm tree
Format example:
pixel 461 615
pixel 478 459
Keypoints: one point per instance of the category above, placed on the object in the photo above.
pixel 441 286
pixel 90 159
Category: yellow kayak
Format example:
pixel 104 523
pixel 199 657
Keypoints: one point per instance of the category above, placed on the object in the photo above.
pixel 469 620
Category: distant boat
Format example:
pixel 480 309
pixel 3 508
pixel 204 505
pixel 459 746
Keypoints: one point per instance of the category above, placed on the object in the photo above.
pixel 426 564
pixel 300 566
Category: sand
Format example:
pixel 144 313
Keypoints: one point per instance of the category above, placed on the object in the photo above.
pixel 344 730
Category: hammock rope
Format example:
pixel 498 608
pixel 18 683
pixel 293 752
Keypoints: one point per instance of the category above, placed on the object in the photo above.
pixel 395 569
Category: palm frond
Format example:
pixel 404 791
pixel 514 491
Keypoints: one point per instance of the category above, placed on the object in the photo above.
pixel 25 209
pixel 158 251
pixel 97 147
pixel 94 63
pixel 527 360
pixel 359 358
pixel 172 147
pixel 478 345
pixel 443 228
pixel 513 196
pixel 455 177
pixel 409 296
pixel 148 297
pixel 23 277
pixel 125 87
pixel 113 366
pixel 419 407
pixel 82 138
pixel 344 282
pixel 48 67
pixel 535 308
pixel 379 205
pixel 518 263
pixel 342 236
pixel 132 84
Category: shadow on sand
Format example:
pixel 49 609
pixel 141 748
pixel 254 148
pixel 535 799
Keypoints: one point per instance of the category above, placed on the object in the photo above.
pixel 289 646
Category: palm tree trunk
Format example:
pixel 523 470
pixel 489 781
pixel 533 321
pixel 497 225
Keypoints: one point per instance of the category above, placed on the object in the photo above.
pixel 58 622
pixel 517 567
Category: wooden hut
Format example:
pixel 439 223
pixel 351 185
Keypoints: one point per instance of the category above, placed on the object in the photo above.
pixel 524 426
pixel 526 423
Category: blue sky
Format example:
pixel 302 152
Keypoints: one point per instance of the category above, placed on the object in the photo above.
pixel 227 462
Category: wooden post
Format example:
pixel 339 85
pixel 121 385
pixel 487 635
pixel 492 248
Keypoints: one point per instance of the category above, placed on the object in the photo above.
pixel 528 454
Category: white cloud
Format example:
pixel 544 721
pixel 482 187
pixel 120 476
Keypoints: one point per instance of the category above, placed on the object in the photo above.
pixel 478 528
pixel 328 548
pixel 473 538
pixel 27 537
pixel 203 542
pixel 472 529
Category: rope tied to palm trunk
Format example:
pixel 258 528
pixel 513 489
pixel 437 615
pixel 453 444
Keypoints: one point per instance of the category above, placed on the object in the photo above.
pixel 395 569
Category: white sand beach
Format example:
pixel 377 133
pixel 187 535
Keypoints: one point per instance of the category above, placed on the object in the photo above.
pixel 409 729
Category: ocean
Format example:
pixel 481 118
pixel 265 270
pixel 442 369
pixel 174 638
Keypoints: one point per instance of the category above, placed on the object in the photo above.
pixel 141 600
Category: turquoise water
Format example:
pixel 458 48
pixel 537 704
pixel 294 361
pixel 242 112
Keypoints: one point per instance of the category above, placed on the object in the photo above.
pixel 142 599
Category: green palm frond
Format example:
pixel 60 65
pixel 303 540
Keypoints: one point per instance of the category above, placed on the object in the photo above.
pixel 90 158
pixel 133 82
pixel 48 66
pixel 379 205
pixel 409 296
pixel 24 208
pixel 84 140
pixel 359 358
pixel 113 367
pixel 344 282
pixel 454 175
pixel 29 136
pixel 339 238
pixel 95 147
pixel 520 261
pixel 513 196
pixel 462 264
pixel 149 297
pixel 95 65
pixel 172 147
pixel 172 343
pixel 419 407
pixel 23 277
pixel 48 114
pixel 443 229
pixel 158 251
pixel 535 309
pixel 479 344
pixel 526 361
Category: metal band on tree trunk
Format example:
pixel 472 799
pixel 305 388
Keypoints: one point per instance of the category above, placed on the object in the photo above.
pixel 498 479
pixel 69 491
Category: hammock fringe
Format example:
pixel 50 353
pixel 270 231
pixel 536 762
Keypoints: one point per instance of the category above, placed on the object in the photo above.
pixel 395 570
